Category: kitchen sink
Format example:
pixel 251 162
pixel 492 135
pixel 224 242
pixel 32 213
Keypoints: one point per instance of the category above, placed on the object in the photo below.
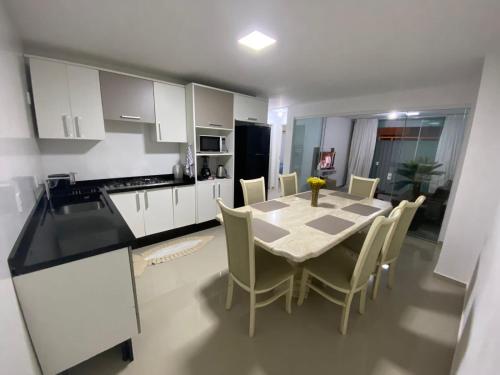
pixel 74 208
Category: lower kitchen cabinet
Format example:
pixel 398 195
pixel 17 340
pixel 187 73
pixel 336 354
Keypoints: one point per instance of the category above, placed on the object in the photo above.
pixel 79 309
pixel 152 211
pixel 158 210
pixel 208 192
pixel 131 207
pixel 184 198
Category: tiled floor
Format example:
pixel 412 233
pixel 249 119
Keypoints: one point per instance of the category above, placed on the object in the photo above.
pixel 185 329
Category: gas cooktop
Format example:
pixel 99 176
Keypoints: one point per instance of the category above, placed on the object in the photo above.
pixel 138 181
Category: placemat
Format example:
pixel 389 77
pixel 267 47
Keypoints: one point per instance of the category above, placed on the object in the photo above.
pixel 267 232
pixel 269 206
pixel 361 209
pixel 307 195
pixel 343 194
pixel 330 224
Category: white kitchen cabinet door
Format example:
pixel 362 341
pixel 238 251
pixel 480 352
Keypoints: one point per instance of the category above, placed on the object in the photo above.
pixel 51 98
pixel 170 110
pixel 158 210
pixel 184 206
pixel 86 104
pixel 225 192
pixel 206 203
pixel 77 310
pixel 131 207
pixel 247 108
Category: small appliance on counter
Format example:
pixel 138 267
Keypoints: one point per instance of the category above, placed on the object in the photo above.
pixel 205 171
pixel 211 143
pixel 178 172
pixel 221 172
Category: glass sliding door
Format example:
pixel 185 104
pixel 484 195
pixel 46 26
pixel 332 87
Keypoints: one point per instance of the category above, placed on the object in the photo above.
pixel 411 156
pixel 307 134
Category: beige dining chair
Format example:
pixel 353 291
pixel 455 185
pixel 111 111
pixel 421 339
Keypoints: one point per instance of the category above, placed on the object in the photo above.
pixel 363 187
pixel 254 269
pixel 390 252
pixel 288 184
pixel 338 270
pixel 254 191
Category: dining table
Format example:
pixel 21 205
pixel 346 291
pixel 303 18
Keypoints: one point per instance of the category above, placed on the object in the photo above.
pixel 292 228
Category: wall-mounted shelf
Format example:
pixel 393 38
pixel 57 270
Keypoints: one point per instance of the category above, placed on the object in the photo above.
pixel 214 154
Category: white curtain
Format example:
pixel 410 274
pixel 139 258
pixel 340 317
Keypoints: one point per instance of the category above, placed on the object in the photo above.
pixel 364 138
pixel 449 148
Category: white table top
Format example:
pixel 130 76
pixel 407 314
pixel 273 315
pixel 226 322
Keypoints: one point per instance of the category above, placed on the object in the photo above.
pixel 305 242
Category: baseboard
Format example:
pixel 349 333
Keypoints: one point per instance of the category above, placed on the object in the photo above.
pixel 447 278
pixel 173 233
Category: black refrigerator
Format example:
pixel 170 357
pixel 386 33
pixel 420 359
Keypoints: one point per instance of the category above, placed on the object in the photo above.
pixel 251 155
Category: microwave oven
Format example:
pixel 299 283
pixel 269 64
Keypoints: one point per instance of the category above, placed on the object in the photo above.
pixel 212 143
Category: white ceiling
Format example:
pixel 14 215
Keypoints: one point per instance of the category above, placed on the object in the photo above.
pixel 324 49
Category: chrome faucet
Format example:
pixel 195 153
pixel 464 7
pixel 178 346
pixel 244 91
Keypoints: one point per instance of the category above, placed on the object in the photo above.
pixel 53 180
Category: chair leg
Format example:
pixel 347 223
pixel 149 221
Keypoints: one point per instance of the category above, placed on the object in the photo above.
pixel 289 296
pixel 303 282
pixel 392 275
pixel 345 313
pixel 376 283
pixel 362 300
pixel 229 295
pixel 251 330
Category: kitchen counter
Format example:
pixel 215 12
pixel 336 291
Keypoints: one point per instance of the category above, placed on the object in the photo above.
pixel 78 225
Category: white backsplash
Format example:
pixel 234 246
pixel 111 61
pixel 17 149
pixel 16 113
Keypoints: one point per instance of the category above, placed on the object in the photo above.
pixel 129 149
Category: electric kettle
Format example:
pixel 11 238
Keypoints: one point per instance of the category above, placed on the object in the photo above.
pixel 221 172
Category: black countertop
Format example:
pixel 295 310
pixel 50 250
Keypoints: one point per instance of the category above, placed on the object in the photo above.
pixel 54 236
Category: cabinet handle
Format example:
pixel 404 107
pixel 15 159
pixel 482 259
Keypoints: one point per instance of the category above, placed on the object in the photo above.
pixel 252 118
pixel 146 199
pixel 137 202
pixel 219 189
pixel 213 191
pixel 217 125
pixel 176 196
pixel 159 132
pixel 67 132
pixel 78 120
pixel 130 117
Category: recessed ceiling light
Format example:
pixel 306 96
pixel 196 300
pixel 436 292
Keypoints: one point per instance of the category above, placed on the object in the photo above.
pixel 393 115
pixel 256 40
pixel 412 113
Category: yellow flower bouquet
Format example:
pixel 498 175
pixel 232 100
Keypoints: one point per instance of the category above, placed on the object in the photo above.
pixel 315 183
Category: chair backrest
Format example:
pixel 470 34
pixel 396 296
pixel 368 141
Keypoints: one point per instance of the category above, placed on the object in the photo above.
pixel 363 187
pixel 254 191
pixel 379 235
pixel 288 184
pixel 240 245
pixel 408 210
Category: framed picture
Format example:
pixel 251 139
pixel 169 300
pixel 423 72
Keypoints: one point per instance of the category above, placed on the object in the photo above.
pixel 326 159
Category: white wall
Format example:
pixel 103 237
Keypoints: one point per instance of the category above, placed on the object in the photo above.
pixel 337 134
pixel 477 190
pixel 20 169
pixel 128 150
pixel 478 339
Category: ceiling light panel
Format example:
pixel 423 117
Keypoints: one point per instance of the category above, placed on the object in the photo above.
pixel 257 40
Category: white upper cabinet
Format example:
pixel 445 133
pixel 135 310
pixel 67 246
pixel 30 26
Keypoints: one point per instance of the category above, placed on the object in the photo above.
pixel 67 100
pixel 170 111
pixel 86 104
pixel 248 108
